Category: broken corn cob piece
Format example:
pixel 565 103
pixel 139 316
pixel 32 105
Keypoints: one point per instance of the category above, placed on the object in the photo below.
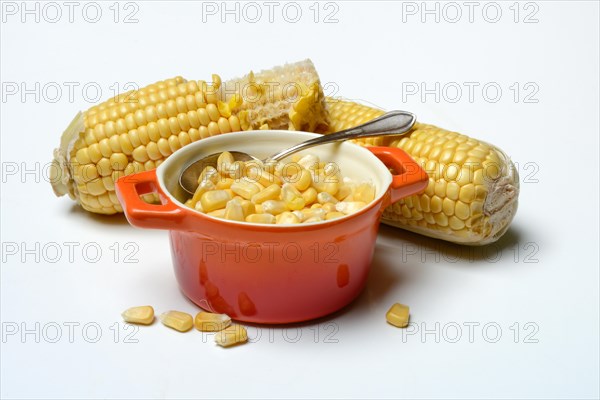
pixel 143 315
pixel 136 131
pixel 232 335
pixel 180 321
pixel 473 186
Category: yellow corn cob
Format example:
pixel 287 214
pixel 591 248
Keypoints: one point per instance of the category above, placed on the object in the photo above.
pixel 473 186
pixel 136 131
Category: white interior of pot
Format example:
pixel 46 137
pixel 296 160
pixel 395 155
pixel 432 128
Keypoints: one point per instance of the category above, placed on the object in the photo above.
pixel 353 161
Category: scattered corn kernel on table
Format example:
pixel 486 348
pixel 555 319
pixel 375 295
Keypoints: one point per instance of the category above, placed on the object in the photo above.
pixel 515 318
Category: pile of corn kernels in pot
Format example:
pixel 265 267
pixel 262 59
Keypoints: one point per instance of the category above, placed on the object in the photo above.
pixel 302 191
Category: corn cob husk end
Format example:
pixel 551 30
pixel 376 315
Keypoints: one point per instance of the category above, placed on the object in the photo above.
pixel 494 228
pixel 501 204
pixel 61 176
pixel 499 208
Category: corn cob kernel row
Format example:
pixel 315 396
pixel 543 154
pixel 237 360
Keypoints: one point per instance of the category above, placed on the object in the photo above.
pixel 131 97
pixel 137 131
pixel 473 187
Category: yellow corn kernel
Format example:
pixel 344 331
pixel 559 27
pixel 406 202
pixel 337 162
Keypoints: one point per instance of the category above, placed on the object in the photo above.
pixel 258 209
pixel 254 163
pixel 329 207
pixel 203 187
pixel 309 196
pixel 118 161
pixel 274 207
pixel 332 171
pixel 291 197
pixel 287 169
pixel 247 207
pixel 325 197
pixel 261 218
pixel 211 322
pixel 252 169
pixel 349 207
pixel 398 315
pixel 277 169
pixel 180 321
pixel 324 183
pixel 217 213
pixel 224 183
pixel 139 315
pixel 333 215
pixel 311 213
pixel 209 174
pixel 214 200
pixel 245 189
pixel 261 176
pixel 237 170
pixel 287 218
pixel 313 219
pixel 232 335
pixel 260 187
pixel 234 211
pixel 345 190
pixel 270 166
pixel 309 161
pixel 364 192
pixel 224 162
pixel 302 180
pixel 269 193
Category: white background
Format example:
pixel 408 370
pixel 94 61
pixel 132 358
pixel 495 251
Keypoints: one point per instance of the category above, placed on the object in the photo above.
pixel 544 271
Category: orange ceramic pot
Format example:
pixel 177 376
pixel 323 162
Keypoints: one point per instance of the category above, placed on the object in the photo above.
pixel 270 273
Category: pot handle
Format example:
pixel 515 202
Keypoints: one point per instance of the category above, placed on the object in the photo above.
pixel 409 178
pixel 166 215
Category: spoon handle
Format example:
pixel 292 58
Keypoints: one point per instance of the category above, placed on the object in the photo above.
pixel 390 123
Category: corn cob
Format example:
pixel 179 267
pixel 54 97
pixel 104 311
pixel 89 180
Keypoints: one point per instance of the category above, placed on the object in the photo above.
pixel 136 131
pixel 473 186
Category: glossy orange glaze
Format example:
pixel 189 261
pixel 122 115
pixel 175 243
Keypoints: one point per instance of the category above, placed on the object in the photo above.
pixel 268 273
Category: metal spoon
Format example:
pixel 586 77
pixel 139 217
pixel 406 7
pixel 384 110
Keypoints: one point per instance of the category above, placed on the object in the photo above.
pixel 390 123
